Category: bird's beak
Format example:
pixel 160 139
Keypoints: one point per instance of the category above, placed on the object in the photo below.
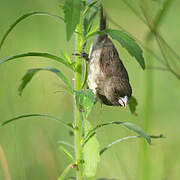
pixel 123 101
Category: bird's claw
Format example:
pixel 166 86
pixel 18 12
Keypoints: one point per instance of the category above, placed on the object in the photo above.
pixel 83 55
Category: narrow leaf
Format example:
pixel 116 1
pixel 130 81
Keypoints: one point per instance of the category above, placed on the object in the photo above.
pixel 62 91
pixel 93 130
pixel 90 2
pixel 132 105
pixel 129 44
pixel 105 179
pixel 115 142
pixel 37 54
pixel 66 57
pixel 65 172
pixel 67 153
pixel 34 115
pixel 72 16
pixel 12 26
pixel 126 41
pixel 31 72
pixel 90 153
pixel 138 130
pixel 85 76
pixel 89 16
pixel 128 125
pixel 126 138
pixel 86 101
pixel 70 178
pixel 66 143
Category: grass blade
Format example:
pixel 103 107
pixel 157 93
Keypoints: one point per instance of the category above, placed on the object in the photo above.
pixel 37 54
pixel 34 115
pixel 31 72
pixel 12 26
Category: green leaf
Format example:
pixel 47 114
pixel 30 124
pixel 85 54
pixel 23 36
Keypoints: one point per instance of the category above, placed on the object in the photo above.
pixel 138 130
pixel 126 138
pixel 89 16
pixel 115 142
pixel 35 115
pixel 128 43
pixel 85 76
pixel 93 31
pixel 37 54
pixel 86 101
pixel 89 2
pixel 105 179
pixel 90 153
pixel 67 153
pixel 132 105
pixel 66 143
pixel 72 11
pixel 128 125
pixel 66 57
pixel 65 172
pixel 31 72
pixel 70 178
pixel 12 26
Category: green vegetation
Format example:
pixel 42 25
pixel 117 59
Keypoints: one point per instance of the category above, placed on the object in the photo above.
pixel 30 146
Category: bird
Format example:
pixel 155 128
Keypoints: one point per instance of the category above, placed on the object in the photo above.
pixel 107 76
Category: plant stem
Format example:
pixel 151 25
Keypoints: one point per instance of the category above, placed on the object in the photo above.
pixel 77 118
pixel 145 151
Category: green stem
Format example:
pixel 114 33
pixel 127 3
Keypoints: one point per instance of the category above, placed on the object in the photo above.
pixel 77 120
pixel 145 171
pixel 145 149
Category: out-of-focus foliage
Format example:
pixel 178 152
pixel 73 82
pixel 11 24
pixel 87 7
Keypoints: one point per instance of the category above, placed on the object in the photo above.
pixel 30 147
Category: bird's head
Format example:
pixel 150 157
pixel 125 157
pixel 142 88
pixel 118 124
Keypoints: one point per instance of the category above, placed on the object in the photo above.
pixel 123 101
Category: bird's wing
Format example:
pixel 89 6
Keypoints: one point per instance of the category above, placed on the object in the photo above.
pixel 110 63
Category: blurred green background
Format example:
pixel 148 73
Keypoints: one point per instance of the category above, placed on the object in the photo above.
pixel 30 146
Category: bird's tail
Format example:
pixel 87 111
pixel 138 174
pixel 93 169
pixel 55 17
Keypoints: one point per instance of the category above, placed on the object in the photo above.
pixel 102 19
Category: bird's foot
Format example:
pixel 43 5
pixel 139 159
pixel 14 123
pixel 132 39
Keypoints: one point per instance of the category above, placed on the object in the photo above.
pixel 83 55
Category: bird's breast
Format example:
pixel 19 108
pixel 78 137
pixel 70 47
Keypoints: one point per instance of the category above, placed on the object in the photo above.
pixel 95 75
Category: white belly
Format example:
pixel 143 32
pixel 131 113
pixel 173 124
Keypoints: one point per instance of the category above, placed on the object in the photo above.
pixel 95 75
